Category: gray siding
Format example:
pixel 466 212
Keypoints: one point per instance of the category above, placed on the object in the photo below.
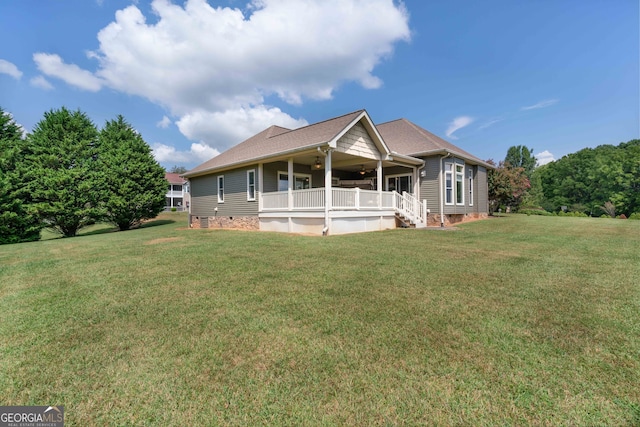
pixel 204 194
pixel 429 185
pixel 482 190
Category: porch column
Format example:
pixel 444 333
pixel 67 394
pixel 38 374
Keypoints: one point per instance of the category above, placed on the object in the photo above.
pixel 328 203
pixel 260 187
pixel 380 183
pixel 290 183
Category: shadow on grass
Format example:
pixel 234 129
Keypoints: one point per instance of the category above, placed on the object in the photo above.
pixel 99 231
pixel 156 223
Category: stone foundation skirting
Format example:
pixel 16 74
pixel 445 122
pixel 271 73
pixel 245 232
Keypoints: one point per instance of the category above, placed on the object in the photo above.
pixel 453 219
pixel 234 222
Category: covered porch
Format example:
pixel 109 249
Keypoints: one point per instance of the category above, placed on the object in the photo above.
pixel 342 193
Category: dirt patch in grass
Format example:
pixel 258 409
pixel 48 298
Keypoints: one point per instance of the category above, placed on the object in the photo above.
pixel 163 240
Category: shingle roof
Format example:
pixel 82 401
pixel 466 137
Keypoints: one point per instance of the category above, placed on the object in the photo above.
pixel 405 137
pixel 174 178
pixel 401 136
pixel 276 140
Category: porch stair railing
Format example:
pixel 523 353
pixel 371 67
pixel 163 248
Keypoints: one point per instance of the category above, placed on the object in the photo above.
pixel 410 209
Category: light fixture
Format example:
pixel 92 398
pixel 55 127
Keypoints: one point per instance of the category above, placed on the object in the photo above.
pixel 362 171
pixel 318 163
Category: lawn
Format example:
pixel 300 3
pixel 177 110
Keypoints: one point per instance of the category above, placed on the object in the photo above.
pixel 510 321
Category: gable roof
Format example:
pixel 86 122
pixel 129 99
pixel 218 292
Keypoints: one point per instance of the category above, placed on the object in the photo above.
pixel 405 137
pixel 174 178
pixel 277 140
pixel 401 138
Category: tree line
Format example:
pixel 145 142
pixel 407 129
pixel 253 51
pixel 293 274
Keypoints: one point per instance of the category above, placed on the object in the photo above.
pixel 593 181
pixel 67 174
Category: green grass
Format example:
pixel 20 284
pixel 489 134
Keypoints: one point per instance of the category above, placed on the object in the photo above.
pixel 515 320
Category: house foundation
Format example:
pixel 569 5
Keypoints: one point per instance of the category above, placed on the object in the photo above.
pixel 230 222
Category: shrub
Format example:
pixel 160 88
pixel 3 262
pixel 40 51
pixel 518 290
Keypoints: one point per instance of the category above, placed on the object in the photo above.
pixel 635 215
pixel 573 214
pixel 535 212
pixel 174 209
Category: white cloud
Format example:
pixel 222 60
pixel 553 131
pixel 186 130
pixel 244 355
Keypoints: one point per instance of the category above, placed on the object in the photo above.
pixel 198 153
pixel 164 123
pixel 202 61
pixel 541 104
pixel 232 126
pixel 458 123
pixel 10 68
pixel 41 82
pixel 52 65
pixel 490 123
pixel 544 158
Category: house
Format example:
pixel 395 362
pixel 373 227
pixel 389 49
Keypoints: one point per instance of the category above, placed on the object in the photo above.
pixel 178 192
pixel 342 175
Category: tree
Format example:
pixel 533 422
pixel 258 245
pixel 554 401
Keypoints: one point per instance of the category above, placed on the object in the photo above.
pixel 507 185
pixel 178 169
pixel 17 224
pixel 135 181
pixel 593 176
pixel 521 157
pixel 61 177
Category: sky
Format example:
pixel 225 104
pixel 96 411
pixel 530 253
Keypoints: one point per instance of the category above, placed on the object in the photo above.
pixel 196 77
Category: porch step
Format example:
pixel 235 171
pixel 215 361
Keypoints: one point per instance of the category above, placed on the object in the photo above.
pixel 405 222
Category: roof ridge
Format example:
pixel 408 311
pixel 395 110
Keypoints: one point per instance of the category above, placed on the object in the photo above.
pixel 289 131
pixel 271 128
pixel 328 120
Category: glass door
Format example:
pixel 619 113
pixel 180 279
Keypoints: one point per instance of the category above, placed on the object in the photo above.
pixel 400 183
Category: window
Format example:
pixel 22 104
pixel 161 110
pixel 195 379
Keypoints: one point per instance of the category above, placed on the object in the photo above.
pixel 459 185
pixel 300 181
pixel 251 184
pixel 448 184
pixel 470 186
pixel 400 183
pixel 221 189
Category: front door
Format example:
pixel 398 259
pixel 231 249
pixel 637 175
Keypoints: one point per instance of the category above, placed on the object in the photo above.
pixel 400 183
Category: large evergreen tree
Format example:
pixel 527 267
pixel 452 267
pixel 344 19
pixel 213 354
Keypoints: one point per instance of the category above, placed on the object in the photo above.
pixel 17 224
pixel 520 156
pixel 134 179
pixel 61 176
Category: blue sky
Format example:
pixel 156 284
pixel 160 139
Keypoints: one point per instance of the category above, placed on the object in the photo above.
pixel 196 77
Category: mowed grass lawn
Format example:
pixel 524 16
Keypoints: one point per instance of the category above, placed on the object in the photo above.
pixel 510 321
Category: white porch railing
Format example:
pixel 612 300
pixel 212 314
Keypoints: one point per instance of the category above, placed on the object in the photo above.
pixel 410 207
pixel 346 199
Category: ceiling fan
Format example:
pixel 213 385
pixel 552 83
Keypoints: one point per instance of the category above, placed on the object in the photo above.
pixel 364 171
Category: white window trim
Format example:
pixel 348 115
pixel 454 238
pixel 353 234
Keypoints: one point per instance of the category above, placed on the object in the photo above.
pixel 459 174
pixel 399 175
pixel 470 169
pixel 219 178
pixel 448 170
pixel 295 175
pixel 249 198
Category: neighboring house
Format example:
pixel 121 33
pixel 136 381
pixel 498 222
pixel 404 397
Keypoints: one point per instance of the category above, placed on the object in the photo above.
pixel 341 175
pixel 178 192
